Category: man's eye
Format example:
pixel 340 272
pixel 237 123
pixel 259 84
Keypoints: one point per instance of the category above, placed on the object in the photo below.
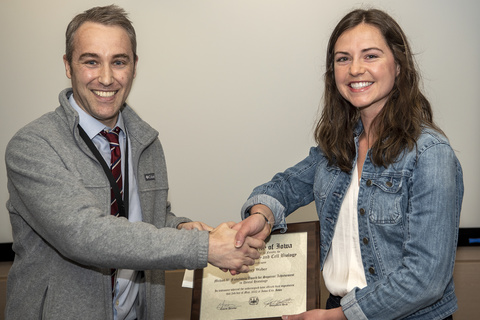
pixel 119 63
pixel 91 62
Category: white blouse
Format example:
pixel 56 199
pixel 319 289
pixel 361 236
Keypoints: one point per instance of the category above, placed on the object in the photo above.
pixel 343 268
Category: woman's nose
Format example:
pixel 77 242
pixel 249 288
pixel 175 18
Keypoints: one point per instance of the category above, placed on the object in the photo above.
pixel 356 68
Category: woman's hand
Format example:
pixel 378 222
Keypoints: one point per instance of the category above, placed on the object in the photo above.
pixel 318 314
pixel 255 225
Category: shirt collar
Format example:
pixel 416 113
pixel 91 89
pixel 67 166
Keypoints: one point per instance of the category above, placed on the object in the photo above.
pixel 91 125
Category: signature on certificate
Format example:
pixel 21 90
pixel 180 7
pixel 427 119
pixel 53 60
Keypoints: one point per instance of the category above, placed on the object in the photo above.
pixel 226 306
pixel 278 303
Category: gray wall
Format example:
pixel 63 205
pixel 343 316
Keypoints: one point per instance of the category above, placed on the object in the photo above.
pixel 234 86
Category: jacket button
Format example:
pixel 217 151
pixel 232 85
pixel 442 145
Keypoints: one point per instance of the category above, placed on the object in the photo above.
pixel 369 183
pixel 365 240
pixel 362 211
pixel 371 270
pixel 389 184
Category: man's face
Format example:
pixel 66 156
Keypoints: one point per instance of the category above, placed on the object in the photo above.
pixel 102 70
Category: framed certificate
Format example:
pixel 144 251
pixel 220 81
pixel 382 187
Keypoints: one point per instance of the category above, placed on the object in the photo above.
pixel 285 280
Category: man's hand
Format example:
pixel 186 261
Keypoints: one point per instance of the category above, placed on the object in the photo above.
pixel 318 314
pixel 223 254
pixel 255 225
pixel 194 225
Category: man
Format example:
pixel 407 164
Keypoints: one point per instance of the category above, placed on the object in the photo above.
pixel 69 243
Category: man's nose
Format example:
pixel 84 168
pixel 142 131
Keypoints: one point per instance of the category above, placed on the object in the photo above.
pixel 106 75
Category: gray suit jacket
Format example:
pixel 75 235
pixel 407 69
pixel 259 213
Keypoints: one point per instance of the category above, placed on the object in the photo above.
pixel 65 240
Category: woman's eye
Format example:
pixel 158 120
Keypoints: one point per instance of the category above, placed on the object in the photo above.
pixel 342 59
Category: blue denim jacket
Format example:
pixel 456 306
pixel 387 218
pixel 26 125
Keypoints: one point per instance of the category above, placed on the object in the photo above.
pixel 408 219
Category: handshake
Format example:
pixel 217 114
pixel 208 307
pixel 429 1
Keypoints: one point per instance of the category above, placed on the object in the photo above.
pixel 234 246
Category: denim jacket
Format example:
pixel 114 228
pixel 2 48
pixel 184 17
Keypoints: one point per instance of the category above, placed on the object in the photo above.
pixel 408 219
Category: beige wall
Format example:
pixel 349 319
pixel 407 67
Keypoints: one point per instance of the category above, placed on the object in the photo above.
pixel 234 86
pixel 178 300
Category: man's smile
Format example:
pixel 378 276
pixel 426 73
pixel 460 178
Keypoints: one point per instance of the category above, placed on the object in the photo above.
pixel 105 94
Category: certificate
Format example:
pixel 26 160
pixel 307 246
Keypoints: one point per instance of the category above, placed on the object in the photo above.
pixel 282 281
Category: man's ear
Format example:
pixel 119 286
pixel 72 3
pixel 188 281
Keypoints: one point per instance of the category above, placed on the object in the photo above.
pixel 68 69
pixel 135 67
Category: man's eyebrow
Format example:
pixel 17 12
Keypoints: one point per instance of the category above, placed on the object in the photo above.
pixel 122 56
pixel 88 55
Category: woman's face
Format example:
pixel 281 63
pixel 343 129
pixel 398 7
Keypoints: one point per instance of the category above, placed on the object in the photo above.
pixel 364 67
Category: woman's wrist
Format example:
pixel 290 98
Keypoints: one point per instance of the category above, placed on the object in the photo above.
pixel 266 213
pixel 267 222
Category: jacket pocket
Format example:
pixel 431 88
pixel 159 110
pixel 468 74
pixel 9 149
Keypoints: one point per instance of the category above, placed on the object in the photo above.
pixel 387 200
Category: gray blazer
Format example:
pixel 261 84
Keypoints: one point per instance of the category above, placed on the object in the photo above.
pixel 65 240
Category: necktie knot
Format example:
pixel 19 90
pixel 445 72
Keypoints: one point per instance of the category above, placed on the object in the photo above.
pixel 112 135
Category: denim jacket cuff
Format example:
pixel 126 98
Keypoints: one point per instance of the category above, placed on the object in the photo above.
pixel 350 306
pixel 277 208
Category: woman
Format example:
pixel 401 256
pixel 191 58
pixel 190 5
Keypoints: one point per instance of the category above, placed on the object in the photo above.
pixel 387 185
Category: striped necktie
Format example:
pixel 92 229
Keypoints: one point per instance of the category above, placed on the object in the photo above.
pixel 115 165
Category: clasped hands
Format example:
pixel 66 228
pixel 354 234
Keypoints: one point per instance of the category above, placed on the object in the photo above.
pixel 234 246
